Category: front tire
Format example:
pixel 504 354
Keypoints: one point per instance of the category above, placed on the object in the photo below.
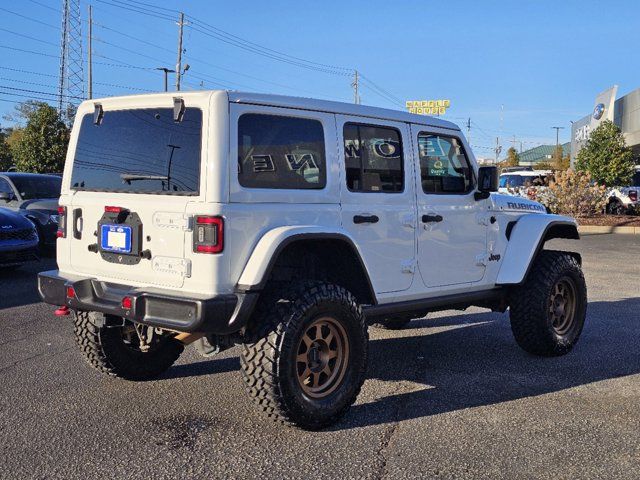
pixel 114 349
pixel 307 359
pixel 548 311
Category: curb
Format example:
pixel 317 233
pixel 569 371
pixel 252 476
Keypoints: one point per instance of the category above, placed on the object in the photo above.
pixel 597 229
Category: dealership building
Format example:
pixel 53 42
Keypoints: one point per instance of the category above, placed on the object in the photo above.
pixel 623 111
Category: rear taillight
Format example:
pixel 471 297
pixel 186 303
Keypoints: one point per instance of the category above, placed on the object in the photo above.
pixel 62 222
pixel 633 195
pixel 208 235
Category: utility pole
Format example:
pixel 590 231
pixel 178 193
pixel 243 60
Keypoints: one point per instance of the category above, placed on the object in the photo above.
pixel 89 59
pixel 469 130
pixel 166 72
pixel 179 62
pixel 355 85
pixel 558 135
pixel 498 148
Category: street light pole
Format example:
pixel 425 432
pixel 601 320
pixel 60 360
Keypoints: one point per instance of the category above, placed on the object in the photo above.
pixel 558 135
pixel 166 71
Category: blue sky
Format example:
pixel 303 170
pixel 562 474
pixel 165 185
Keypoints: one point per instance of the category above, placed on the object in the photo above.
pixel 545 61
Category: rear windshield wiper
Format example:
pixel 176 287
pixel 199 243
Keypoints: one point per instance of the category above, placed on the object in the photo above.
pixel 132 177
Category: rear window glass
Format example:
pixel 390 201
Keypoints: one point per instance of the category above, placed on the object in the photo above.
pixel 280 152
pixel 37 186
pixel 139 151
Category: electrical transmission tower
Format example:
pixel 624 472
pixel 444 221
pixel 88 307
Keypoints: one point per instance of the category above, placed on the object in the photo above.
pixel 71 83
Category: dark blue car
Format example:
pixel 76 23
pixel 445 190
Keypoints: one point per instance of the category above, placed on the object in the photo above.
pixel 18 239
pixel 36 197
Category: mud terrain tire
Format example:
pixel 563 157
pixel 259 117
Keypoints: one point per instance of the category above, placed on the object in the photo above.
pixel 295 333
pixel 548 311
pixel 101 341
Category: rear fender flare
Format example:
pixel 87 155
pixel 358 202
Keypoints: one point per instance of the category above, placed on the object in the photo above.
pixel 258 268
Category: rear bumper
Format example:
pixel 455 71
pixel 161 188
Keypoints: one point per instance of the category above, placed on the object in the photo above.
pixel 221 314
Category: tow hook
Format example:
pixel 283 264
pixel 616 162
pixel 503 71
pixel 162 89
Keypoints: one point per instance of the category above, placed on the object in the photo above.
pixel 62 311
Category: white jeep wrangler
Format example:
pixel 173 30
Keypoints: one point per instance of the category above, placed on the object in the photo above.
pixel 285 224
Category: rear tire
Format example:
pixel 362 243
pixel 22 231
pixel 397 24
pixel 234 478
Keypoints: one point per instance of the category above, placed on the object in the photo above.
pixel 548 311
pixel 307 358
pixel 103 341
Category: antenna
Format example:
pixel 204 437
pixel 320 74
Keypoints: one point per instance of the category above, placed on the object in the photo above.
pixel 71 81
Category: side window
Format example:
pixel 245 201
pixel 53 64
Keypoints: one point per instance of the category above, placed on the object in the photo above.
pixel 281 152
pixel 444 167
pixel 373 159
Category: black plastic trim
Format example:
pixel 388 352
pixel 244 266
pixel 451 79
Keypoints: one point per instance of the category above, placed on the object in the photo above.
pixel 306 236
pixel 221 314
pixel 445 302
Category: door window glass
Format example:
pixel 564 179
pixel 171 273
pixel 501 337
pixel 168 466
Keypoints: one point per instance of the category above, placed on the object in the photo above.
pixel 444 167
pixel 373 159
pixel 280 152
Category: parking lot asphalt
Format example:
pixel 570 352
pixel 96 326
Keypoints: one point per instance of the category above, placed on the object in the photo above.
pixel 452 396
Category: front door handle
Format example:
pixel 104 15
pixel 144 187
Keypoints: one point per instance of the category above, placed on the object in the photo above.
pixel 431 218
pixel 365 219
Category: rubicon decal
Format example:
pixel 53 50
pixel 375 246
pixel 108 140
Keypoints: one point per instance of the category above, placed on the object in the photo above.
pixel 526 206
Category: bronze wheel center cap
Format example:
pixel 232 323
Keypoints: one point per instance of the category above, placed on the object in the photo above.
pixel 317 356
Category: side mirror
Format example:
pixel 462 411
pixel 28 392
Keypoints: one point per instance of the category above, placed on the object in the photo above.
pixel 6 196
pixel 487 182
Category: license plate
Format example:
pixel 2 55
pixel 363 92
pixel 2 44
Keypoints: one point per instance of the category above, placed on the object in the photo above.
pixel 115 238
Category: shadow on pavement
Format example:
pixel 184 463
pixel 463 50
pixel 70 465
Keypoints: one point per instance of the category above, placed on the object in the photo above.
pixel 205 367
pixel 476 364
pixel 19 286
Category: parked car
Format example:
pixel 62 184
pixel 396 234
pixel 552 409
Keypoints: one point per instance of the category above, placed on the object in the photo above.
pixel 18 239
pixel 521 182
pixel 624 200
pixel 36 197
pixel 285 225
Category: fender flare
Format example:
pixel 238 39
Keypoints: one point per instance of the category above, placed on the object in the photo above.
pixel 527 237
pixel 265 254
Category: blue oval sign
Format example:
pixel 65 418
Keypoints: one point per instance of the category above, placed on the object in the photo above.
pixel 598 111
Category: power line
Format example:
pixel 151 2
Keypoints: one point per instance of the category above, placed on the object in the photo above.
pixel 136 10
pixel 29 18
pixel 29 37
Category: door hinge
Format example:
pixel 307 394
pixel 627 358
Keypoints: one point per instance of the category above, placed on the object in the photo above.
pixel 408 266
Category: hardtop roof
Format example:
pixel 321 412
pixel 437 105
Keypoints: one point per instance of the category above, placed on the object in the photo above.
pixel 338 107
pixel 303 103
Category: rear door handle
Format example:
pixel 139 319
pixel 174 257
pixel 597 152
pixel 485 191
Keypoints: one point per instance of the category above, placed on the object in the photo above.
pixel 77 217
pixel 431 218
pixel 365 219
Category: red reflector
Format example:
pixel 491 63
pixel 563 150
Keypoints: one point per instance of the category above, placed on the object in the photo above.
pixel 62 210
pixel 71 292
pixel 127 303
pixel 59 234
pixel 208 220
pixel 208 248
pixel 113 209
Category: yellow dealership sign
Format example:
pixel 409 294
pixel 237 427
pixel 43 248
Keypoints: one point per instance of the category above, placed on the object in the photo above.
pixel 428 107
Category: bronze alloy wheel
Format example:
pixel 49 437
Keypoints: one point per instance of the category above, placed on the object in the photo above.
pixel 562 305
pixel 323 357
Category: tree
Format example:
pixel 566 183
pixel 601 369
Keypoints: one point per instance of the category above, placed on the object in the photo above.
pixel 558 160
pixel 41 145
pixel 606 156
pixel 513 159
pixel 5 153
